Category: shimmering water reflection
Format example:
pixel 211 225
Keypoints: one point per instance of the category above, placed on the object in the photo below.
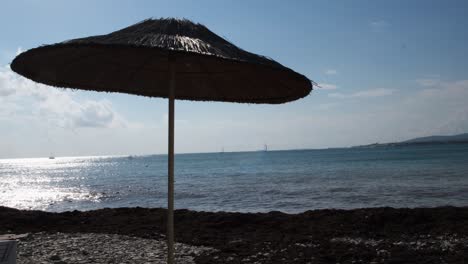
pixel 290 181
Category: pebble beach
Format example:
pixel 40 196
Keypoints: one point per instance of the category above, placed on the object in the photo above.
pixel 136 235
pixel 62 248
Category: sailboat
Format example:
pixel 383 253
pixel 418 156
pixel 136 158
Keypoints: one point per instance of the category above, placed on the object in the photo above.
pixel 51 156
pixel 265 148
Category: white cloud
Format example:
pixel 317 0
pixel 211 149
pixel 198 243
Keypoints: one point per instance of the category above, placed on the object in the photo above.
pixel 365 94
pixel 444 90
pixel 19 50
pixel 338 95
pixel 331 72
pixel 54 104
pixel 456 123
pixel 6 79
pixel 7 54
pixel 326 106
pixel 374 93
pixel 428 82
pixel 379 25
pixel 439 110
pixel 96 114
pixel 327 86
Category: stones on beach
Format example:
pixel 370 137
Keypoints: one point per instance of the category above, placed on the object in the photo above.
pixel 422 245
pixel 80 248
pixel 377 235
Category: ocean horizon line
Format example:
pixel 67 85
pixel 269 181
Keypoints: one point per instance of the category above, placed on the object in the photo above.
pixel 165 154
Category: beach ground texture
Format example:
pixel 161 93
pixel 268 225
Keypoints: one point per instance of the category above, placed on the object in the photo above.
pixel 136 235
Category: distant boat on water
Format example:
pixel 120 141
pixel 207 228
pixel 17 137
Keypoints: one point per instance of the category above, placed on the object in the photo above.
pixel 51 156
pixel 265 148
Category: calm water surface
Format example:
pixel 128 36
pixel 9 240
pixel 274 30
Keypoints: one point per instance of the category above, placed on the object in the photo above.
pixel 288 181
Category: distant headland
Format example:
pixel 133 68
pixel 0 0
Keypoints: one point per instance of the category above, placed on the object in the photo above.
pixel 461 138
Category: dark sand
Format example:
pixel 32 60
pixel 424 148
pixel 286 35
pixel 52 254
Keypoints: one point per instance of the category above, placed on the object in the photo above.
pixel 373 235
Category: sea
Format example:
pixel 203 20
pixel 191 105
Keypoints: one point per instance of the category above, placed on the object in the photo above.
pixel 290 181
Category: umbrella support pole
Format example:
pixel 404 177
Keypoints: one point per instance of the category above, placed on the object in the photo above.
pixel 170 180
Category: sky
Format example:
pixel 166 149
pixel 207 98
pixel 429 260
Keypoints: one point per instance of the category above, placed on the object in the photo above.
pixel 388 71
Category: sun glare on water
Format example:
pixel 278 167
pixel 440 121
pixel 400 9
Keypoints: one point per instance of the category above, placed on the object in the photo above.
pixel 39 183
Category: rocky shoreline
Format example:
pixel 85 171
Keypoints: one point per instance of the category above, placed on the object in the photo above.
pixel 371 235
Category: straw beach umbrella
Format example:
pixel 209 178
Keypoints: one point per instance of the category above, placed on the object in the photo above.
pixel 169 58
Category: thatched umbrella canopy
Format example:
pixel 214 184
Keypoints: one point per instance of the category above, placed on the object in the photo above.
pixel 150 58
pixel 134 60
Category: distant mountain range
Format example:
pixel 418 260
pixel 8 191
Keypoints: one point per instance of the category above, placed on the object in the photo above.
pixel 461 138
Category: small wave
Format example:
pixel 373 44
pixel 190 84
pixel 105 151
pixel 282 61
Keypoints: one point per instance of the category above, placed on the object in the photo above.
pixel 272 192
pixel 341 189
pixel 287 204
pixel 188 195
